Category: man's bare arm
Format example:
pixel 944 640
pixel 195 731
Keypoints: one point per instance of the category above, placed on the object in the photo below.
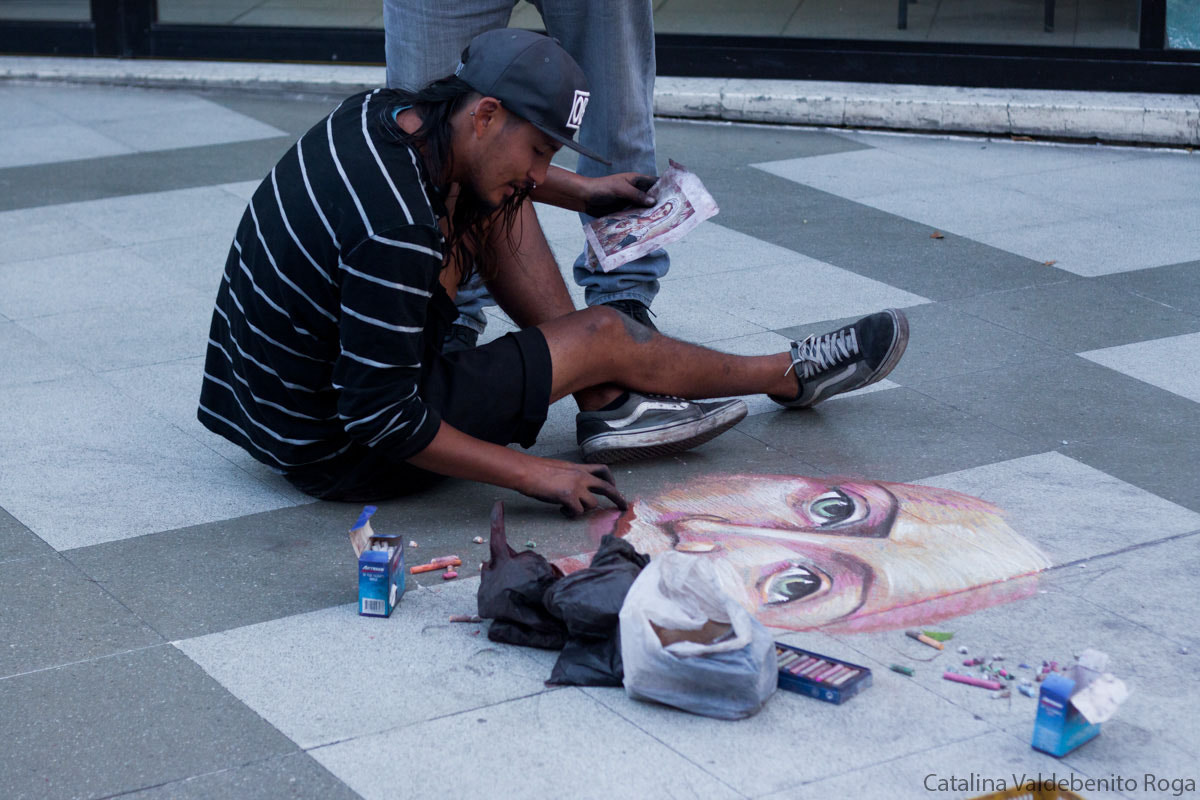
pixel 576 488
pixel 596 196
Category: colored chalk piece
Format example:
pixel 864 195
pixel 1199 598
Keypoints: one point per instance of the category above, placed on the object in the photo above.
pixel 903 670
pixel 829 679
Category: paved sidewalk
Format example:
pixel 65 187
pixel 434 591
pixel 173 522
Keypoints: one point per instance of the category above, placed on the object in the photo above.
pixel 177 622
pixel 1163 119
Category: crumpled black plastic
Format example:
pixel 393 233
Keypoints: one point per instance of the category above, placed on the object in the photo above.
pixel 589 604
pixel 511 588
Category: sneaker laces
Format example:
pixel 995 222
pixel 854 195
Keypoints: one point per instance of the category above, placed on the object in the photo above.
pixel 818 353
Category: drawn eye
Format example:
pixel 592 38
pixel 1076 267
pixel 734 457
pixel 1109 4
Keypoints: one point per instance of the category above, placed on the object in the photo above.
pixel 793 583
pixel 835 507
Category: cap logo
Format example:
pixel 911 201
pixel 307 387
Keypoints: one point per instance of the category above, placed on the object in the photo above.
pixel 578 106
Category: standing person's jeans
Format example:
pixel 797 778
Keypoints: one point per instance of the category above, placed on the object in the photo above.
pixel 613 41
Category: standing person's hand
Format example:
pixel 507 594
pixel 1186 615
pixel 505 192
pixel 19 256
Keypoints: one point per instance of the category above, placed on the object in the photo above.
pixel 617 192
pixel 576 488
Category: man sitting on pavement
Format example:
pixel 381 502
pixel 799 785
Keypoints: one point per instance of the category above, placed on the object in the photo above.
pixel 324 357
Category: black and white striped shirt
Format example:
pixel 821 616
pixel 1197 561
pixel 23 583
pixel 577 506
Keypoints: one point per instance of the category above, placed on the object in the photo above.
pixel 316 340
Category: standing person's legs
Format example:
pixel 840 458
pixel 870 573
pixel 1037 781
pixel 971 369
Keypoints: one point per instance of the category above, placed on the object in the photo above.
pixel 423 42
pixel 613 42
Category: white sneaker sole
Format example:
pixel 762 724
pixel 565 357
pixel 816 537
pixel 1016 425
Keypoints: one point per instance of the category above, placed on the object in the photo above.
pixel 610 448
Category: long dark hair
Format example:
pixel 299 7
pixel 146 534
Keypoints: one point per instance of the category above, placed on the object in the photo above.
pixel 472 222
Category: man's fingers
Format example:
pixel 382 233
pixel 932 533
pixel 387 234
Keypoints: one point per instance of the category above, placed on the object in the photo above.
pixel 601 471
pixel 610 491
pixel 644 182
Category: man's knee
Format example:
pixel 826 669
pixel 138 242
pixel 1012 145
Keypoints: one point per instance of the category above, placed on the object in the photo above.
pixel 609 322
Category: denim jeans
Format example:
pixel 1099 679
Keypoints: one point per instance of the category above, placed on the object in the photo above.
pixel 613 41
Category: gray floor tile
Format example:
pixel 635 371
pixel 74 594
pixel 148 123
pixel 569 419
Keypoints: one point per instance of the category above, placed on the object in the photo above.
pixel 1174 285
pixel 706 156
pixel 559 743
pixel 310 675
pixel 17 541
pixel 266 565
pixel 1071 400
pixel 1172 363
pixel 80 465
pixel 993 762
pixel 54 614
pixel 944 342
pixel 297 777
pixel 893 435
pixel 1078 315
pixel 292 113
pixel 759 755
pixel 117 176
pixel 108 726
pixel 1033 491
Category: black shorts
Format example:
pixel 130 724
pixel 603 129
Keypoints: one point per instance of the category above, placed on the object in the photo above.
pixel 498 392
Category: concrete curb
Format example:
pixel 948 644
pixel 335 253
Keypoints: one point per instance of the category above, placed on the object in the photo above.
pixel 1160 119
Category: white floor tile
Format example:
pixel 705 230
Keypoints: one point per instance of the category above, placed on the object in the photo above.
pixel 66 141
pixel 796 738
pixel 140 218
pixel 797 292
pixel 557 744
pixel 860 174
pixel 1172 363
pixel 332 675
pixel 1093 246
pixel 115 338
pixel 108 278
pixel 80 465
pixel 1068 509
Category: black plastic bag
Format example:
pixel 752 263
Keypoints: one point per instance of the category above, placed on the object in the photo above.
pixel 589 604
pixel 511 588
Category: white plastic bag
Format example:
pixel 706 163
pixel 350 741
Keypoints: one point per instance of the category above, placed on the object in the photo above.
pixel 728 678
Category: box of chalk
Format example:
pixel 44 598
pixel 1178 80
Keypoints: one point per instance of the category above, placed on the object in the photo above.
pixel 380 576
pixel 822 677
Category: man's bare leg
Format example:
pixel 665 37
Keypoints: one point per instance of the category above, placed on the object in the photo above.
pixel 601 345
pixel 529 288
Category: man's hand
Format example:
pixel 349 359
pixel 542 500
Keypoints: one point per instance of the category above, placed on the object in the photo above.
pixel 576 488
pixel 614 193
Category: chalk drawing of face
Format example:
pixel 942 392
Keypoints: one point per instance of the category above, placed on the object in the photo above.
pixel 841 555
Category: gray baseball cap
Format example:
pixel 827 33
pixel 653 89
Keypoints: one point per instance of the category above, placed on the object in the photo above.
pixel 534 78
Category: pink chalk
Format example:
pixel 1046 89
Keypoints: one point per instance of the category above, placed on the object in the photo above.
pixel 449 575
pixel 967 679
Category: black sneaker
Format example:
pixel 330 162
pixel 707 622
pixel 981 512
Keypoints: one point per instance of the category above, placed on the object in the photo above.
pixel 460 337
pixel 635 309
pixel 848 358
pixel 648 425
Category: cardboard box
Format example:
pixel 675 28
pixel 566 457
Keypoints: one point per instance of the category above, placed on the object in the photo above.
pixel 1059 727
pixel 380 577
